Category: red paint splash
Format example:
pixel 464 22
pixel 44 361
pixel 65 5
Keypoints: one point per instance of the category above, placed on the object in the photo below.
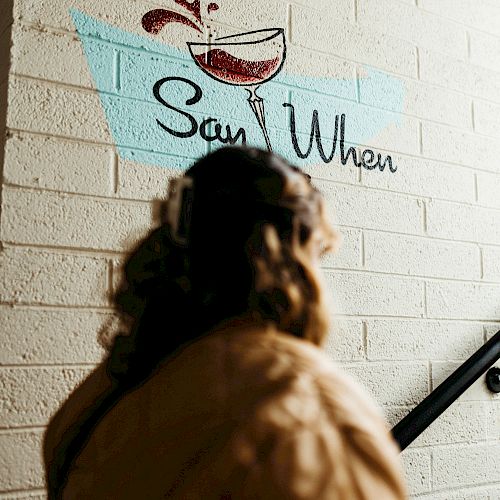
pixel 212 7
pixel 228 68
pixel 193 7
pixel 154 20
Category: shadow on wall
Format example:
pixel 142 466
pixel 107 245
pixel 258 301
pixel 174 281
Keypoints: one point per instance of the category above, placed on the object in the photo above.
pixel 6 21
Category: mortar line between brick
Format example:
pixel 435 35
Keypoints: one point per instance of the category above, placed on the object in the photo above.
pixel 7 494
pixel 413 277
pixel 481 262
pixel 358 84
pixel 115 173
pixel 109 284
pixel 425 300
pixel 420 139
pixel 96 197
pixel 77 140
pixel 359 184
pixel 473 115
pixel 355 6
pixel 55 308
pixel 467 36
pixel 36 366
pixel 419 319
pixel 77 251
pixel 116 70
pixel 93 91
pixel 431 480
pixel 476 189
pixel 289 22
pixel 365 339
pixel 59 30
pixel 99 252
pixel 424 217
pixel 417 56
pixel 464 487
pixel 362 248
pixel 13 130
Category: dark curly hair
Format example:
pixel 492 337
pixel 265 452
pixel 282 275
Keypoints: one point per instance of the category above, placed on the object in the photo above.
pixel 252 214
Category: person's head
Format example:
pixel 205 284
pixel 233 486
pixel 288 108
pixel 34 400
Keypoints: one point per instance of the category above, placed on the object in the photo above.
pixel 242 238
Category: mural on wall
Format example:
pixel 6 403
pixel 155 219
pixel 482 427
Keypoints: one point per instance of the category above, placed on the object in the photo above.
pixel 167 106
pixel 227 59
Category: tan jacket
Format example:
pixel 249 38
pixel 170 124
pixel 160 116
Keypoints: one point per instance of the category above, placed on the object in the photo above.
pixel 241 414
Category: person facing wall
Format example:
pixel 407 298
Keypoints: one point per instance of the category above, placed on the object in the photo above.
pixel 216 385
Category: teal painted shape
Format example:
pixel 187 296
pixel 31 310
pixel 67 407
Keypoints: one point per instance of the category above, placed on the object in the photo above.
pixel 125 66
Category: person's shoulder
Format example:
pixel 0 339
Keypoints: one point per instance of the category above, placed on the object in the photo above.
pixel 299 412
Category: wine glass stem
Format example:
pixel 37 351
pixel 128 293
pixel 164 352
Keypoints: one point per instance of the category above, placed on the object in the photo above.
pixel 257 105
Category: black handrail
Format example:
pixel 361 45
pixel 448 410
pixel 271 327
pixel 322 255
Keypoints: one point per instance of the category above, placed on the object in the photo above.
pixel 411 426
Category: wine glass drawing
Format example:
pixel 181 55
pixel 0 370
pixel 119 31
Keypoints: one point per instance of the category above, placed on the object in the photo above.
pixel 247 60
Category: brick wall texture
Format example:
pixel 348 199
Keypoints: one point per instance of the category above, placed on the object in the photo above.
pixel 416 283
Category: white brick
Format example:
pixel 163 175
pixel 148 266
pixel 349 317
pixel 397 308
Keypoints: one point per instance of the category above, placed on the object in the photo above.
pixel 368 294
pixel 358 119
pixel 57 57
pixel 481 14
pixel 37 277
pixel 57 15
pixel 39 336
pixel 423 177
pixel 486 118
pixel 481 493
pixel 27 495
pixel 34 394
pixel 392 384
pixel 413 24
pixel 462 222
pixel 48 163
pixel 461 422
pixel 476 392
pixel 21 461
pixel 491 263
pixel 59 111
pixel 457 300
pixel 440 142
pixel 485 50
pixel 345 340
pixel 324 67
pixel 140 181
pixel 493 419
pixel 264 15
pixel 420 99
pixel 371 209
pixel 457 75
pixel 491 329
pixel 333 171
pixel 349 253
pixel 340 38
pixel 417 466
pixel 488 189
pixel 400 254
pixel 45 218
pixel 464 465
pixel 412 340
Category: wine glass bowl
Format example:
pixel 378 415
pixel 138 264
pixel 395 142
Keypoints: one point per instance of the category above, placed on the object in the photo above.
pixel 245 59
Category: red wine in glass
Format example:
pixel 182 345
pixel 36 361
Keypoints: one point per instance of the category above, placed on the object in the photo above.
pixel 246 59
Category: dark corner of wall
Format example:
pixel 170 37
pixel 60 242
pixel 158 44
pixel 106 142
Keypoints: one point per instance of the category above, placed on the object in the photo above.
pixel 6 21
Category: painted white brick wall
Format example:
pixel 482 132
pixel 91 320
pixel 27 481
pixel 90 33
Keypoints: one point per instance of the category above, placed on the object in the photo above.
pixel 416 284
